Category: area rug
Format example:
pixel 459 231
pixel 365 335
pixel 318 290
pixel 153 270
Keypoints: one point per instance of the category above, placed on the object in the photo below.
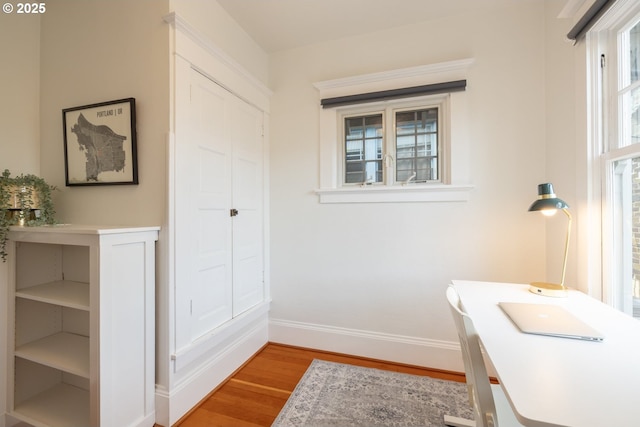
pixel 339 395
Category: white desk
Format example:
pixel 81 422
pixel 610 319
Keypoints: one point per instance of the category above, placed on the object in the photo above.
pixel 559 381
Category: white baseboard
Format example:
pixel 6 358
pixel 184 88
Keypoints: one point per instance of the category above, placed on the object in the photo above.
pixel 401 349
pixel 173 404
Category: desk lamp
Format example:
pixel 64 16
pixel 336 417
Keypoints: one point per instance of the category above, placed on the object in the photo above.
pixel 548 204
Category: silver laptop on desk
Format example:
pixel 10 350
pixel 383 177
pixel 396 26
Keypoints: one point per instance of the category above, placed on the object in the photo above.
pixel 550 320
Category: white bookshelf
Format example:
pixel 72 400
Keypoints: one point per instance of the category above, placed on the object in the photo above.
pixel 81 333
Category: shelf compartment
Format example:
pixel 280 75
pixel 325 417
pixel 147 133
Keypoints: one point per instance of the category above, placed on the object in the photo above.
pixel 65 293
pixel 64 351
pixel 63 405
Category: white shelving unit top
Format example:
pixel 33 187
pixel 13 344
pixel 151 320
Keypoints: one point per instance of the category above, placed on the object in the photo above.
pixel 84 229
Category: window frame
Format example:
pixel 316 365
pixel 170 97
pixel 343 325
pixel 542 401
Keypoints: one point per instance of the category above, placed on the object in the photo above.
pixel 343 116
pixel 440 143
pixel 388 110
pixel 453 156
pixel 605 237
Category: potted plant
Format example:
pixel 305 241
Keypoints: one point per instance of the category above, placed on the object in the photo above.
pixel 24 200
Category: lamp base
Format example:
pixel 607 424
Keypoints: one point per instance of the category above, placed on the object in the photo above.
pixel 548 289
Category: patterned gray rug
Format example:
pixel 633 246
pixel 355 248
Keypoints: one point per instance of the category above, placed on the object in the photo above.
pixel 334 394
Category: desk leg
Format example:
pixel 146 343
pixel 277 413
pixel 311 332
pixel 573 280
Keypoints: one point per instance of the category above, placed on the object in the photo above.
pixel 458 422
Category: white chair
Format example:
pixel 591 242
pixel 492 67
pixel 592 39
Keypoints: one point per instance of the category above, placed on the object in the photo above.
pixel 488 401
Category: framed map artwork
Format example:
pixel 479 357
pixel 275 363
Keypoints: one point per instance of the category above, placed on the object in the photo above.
pixel 100 143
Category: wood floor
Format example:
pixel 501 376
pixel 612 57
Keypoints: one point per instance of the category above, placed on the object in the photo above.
pixel 256 393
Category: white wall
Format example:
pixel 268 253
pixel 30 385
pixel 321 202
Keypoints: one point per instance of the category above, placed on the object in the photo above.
pixel 383 268
pixel 20 89
pixel 562 156
pixel 102 51
pixel 569 157
pixel 19 119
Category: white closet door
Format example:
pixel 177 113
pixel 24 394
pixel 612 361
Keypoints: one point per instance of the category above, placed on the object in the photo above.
pixel 247 143
pixel 203 200
pixel 219 168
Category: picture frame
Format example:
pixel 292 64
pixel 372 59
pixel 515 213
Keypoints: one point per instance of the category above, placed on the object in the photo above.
pixel 100 144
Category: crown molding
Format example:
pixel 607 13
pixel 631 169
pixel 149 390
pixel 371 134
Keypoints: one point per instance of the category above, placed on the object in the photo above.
pixel 182 25
pixel 400 74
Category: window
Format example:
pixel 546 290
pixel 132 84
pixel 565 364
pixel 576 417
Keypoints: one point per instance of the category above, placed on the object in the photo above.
pixel 615 53
pixel 404 152
pixel 411 148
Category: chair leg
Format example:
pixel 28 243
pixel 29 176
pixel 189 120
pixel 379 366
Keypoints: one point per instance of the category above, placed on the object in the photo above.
pixel 458 422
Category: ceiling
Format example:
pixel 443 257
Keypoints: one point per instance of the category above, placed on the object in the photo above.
pixel 285 24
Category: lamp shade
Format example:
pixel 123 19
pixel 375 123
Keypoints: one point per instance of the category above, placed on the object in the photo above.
pixel 547 199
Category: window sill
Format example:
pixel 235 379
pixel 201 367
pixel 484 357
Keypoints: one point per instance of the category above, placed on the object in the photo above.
pixel 407 193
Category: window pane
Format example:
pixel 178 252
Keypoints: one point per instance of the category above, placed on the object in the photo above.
pixel 354 129
pixel 428 120
pixel 373 172
pixel 373 126
pixel 405 169
pixel 626 235
pixel 405 123
pixel 634 59
pixel 630 116
pixel 629 96
pixel 355 172
pixel 427 145
pixel 355 150
pixel 363 149
pixel 427 169
pixel 635 115
pixel 417 145
pixel 373 149
pixel 405 146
